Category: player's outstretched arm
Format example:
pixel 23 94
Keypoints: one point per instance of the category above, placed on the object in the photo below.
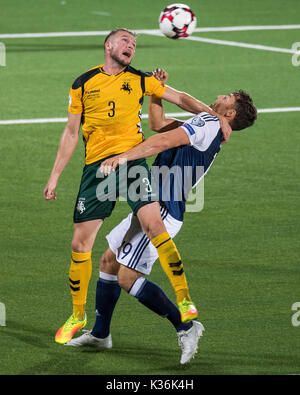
pixel 68 142
pixel 157 118
pixel 190 104
pixel 152 146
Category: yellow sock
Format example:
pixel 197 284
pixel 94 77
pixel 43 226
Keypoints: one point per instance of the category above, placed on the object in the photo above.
pixel 79 278
pixel 170 261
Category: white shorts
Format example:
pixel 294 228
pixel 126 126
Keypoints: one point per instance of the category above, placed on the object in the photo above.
pixel 131 245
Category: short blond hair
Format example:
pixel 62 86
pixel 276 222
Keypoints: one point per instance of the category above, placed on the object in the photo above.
pixel 115 31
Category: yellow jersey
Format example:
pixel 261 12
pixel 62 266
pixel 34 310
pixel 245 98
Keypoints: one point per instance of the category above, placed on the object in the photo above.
pixel 111 109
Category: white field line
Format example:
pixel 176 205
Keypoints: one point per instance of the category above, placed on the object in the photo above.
pixel 101 13
pixel 279 109
pixel 156 32
pixel 55 34
pixel 149 31
pixel 144 116
pixel 246 28
pixel 243 45
pixel 236 44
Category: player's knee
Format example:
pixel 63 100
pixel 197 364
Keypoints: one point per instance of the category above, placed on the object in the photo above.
pixel 108 263
pixel 80 245
pixel 124 279
pixel 127 277
pixel 123 282
pixel 154 228
pixel 84 235
pixel 105 263
pixel 150 219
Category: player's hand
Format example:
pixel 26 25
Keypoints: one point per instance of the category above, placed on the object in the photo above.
pixel 160 75
pixel 226 129
pixel 110 164
pixel 49 190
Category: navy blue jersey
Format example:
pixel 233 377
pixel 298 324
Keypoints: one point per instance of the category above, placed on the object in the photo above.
pixel 178 170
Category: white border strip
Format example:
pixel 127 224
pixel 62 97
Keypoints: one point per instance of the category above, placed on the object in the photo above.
pixel 148 31
pixel 144 116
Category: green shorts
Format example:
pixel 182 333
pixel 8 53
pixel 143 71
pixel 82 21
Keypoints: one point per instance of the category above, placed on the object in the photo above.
pixel 98 193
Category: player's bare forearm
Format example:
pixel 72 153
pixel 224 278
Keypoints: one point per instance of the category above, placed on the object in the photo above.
pixel 195 106
pixel 188 101
pixel 152 146
pixel 67 145
pixel 157 119
pixel 190 104
pixel 183 100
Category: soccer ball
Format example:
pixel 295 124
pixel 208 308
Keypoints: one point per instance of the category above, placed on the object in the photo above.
pixel 177 21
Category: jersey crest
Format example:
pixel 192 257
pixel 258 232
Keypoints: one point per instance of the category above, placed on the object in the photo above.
pixel 126 87
pixel 197 121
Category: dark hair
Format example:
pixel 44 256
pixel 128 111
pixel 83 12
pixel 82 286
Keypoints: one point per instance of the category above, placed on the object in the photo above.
pixel 113 32
pixel 246 112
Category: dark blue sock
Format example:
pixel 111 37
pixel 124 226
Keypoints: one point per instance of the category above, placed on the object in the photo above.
pixel 107 295
pixel 153 297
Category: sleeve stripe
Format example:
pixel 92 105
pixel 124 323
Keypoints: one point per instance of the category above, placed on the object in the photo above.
pixel 209 117
pixel 189 128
